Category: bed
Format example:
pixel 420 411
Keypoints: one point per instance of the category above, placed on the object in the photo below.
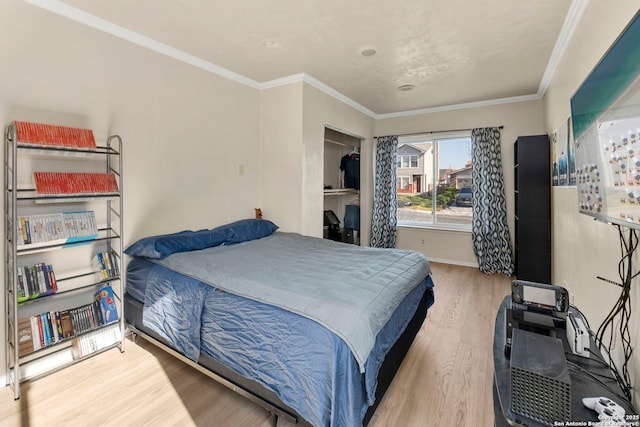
pixel 313 330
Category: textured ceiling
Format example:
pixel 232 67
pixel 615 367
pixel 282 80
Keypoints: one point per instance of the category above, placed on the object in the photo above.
pixel 452 51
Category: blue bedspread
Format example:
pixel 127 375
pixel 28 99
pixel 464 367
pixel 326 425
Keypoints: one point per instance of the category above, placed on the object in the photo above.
pixel 349 289
pixel 310 368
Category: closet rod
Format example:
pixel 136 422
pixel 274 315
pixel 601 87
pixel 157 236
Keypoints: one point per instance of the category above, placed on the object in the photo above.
pixel 436 131
pixel 344 144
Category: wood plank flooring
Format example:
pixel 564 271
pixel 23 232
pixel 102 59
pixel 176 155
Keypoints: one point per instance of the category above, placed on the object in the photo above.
pixel 445 379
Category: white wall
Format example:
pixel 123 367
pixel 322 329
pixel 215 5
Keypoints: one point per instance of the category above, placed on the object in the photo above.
pixel 292 123
pixel 322 110
pixel 185 131
pixel 518 119
pixel 582 247
pixel 281 154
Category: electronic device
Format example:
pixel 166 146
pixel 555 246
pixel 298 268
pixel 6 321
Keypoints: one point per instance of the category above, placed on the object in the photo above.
pixel 535 307
pixel 540 381
pixel 609 412
pixel 540 297
pixel 577 336
pixel 331 220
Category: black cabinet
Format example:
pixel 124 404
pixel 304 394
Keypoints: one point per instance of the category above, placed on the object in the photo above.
pixel 532 208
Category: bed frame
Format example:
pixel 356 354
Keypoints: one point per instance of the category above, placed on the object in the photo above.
pixel 255 391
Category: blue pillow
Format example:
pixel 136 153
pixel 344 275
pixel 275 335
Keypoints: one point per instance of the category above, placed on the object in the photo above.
pixel 247 229
pixel 189 241
pixel 158 247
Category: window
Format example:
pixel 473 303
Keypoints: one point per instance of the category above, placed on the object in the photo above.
pixel 407 161
pixel 402 182
pixel 438 192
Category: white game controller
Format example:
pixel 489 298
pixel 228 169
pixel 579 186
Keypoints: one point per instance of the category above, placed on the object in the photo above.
pixel 609 412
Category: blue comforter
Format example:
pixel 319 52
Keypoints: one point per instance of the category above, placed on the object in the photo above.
pixel 349 289
pixel 308 366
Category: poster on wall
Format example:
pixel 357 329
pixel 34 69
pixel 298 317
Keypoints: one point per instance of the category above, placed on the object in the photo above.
pixel 606 127
pixel 572 155
pixel 563 158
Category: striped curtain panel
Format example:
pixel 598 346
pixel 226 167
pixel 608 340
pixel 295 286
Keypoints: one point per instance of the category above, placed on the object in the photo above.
pixel 384 220
pixel 490 233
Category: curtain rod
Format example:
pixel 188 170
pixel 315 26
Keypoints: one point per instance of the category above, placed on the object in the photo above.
pixel 436 131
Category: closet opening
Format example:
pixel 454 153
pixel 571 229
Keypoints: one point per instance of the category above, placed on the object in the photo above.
pixel 341 187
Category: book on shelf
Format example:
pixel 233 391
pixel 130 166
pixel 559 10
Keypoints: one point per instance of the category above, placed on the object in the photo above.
pixel 25 337
pixel 50 327
pixel 106 264
pixel 107 305
pixel 70 183
pixel 30 133
pixel 35 281
pixel 95 341
pixel 56 228
pixel 65 326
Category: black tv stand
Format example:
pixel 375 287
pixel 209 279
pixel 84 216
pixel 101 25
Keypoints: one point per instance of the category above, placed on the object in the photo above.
pixel 582 382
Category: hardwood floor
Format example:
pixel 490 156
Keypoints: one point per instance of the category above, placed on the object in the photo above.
pixel 445 379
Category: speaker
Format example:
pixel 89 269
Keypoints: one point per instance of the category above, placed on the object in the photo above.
pixel 540 381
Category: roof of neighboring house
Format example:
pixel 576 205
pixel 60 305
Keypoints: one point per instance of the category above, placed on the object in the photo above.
pixel 459 171
pixel 424 146
pixel 410 147
pixel 444 173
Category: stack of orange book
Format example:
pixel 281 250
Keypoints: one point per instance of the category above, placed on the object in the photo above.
pixel 53 135
pixel 75 183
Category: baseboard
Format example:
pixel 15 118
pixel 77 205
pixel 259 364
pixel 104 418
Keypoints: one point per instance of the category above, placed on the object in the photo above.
pixel 455 262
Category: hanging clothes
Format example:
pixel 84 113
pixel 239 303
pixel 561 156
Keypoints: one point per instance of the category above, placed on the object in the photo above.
pixel 350 165
pixel 352 217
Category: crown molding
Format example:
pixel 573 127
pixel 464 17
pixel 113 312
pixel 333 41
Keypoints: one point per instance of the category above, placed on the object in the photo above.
pixel 576 10
pixel 75 14
pixel 463 106
pixel 339 96
pixel 283 81
pixel 574 15
pixel 312 81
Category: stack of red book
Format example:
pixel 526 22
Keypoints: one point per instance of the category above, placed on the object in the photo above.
pixel 53 135
pixel 75 183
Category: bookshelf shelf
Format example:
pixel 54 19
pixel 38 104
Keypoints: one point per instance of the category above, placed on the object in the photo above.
pixel 66 345
pixel 30 194
pixel 70 222
pixel 92 285
pixel 56 151
pixel 104 234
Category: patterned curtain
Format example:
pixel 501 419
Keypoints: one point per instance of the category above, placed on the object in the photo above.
pixel 384 221
pixel 490 233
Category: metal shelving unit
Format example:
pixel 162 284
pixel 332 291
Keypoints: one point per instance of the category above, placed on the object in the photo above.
pixel 81 283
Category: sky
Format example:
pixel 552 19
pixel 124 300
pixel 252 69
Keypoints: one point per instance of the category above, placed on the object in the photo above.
pixel 454 153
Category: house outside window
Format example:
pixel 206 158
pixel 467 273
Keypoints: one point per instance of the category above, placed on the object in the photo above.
pixel 434 181
pixel 407 161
